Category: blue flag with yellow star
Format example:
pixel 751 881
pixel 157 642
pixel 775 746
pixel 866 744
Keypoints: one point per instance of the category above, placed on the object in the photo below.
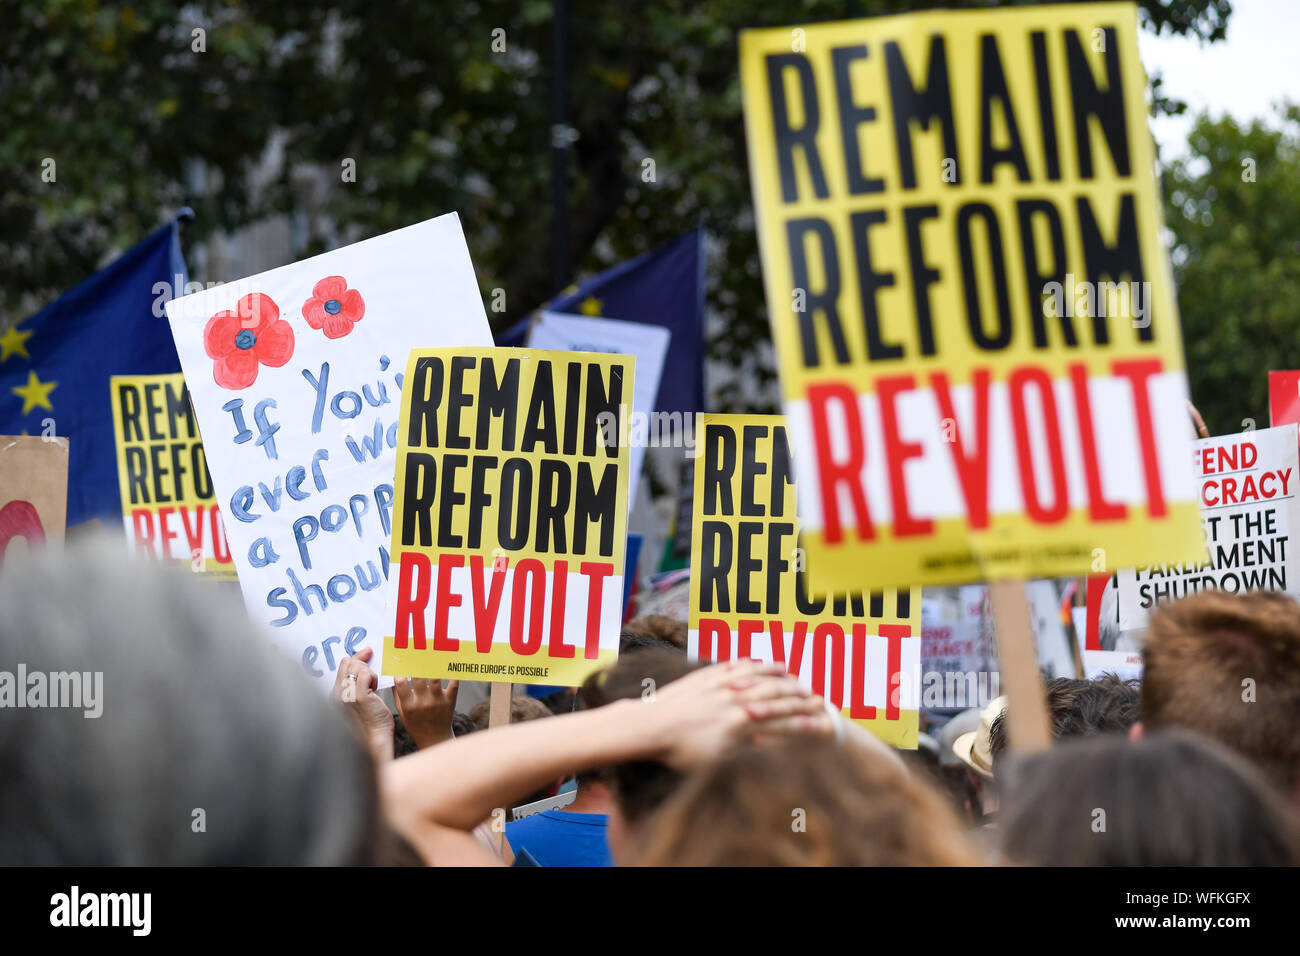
pixel 55 366
pixel 662 287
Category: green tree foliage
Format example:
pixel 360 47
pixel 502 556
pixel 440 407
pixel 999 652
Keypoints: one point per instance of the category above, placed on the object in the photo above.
pixel 1233 206
pixel 129 101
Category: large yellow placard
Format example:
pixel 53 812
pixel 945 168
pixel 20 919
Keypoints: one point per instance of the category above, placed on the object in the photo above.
pixel 979 348
pixel 169 508
pixel 750 597
pixel 510 528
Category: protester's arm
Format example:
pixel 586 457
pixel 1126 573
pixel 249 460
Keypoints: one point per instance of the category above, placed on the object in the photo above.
pixel 426 709
pixel 354 690
pixel 687 723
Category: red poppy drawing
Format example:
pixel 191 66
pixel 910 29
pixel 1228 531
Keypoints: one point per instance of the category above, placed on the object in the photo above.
pixel 333 307
pixel 239 340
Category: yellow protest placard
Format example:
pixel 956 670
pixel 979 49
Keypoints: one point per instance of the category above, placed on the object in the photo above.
pixel 169 508
pixel 511 515
pixel 751 599
pixel 979 349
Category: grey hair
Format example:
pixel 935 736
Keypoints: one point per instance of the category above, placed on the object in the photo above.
pixel 198 714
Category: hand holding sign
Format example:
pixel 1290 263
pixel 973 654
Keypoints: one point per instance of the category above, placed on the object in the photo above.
pixel 354 688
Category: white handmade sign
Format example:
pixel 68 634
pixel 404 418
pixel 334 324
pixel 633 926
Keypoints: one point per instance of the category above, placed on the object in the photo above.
pixel 296 375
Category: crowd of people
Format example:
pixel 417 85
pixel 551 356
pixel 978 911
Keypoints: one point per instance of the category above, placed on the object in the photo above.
pixel 211 749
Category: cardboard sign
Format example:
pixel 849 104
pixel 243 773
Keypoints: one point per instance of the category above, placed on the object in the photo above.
pixel 168 506
pixel 750 599
pixel 649 343
pixel 296 377
pixel 511 525
pixel 976 333
pixel 33 491
pixel 1248 509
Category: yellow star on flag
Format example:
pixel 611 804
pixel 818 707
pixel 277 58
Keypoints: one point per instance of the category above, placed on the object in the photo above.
pixel 35 393
pixel 13 342
pixel 590 306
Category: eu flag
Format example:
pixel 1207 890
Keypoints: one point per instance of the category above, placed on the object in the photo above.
pixel 55 366
pixel 662 287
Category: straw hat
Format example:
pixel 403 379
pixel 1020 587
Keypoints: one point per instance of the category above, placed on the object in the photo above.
pixel 973 748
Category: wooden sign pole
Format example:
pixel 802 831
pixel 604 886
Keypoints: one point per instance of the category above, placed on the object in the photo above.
pixel 499 716
pixel 499 705
pixel 1027 721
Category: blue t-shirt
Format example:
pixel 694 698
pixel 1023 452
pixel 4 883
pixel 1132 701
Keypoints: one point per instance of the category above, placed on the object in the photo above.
pixel 557 838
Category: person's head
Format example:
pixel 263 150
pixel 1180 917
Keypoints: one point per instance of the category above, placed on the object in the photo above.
pixel 1078 708
pixel 1061 693
pixel 638 787
pixel 977 749
pixel 462 724
pixel 199 744
pixel 655 627
pixel 805 803
pixel 522 707
pixel 561 701
pixel 404 744
pixel 1228 666
pixel 954 775
pixel 630 641
pixel 1107 705
pixel 1168 799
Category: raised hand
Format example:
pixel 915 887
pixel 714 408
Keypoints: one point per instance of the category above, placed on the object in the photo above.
pixel 426 708
pixel 354 689
pixel 694 719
